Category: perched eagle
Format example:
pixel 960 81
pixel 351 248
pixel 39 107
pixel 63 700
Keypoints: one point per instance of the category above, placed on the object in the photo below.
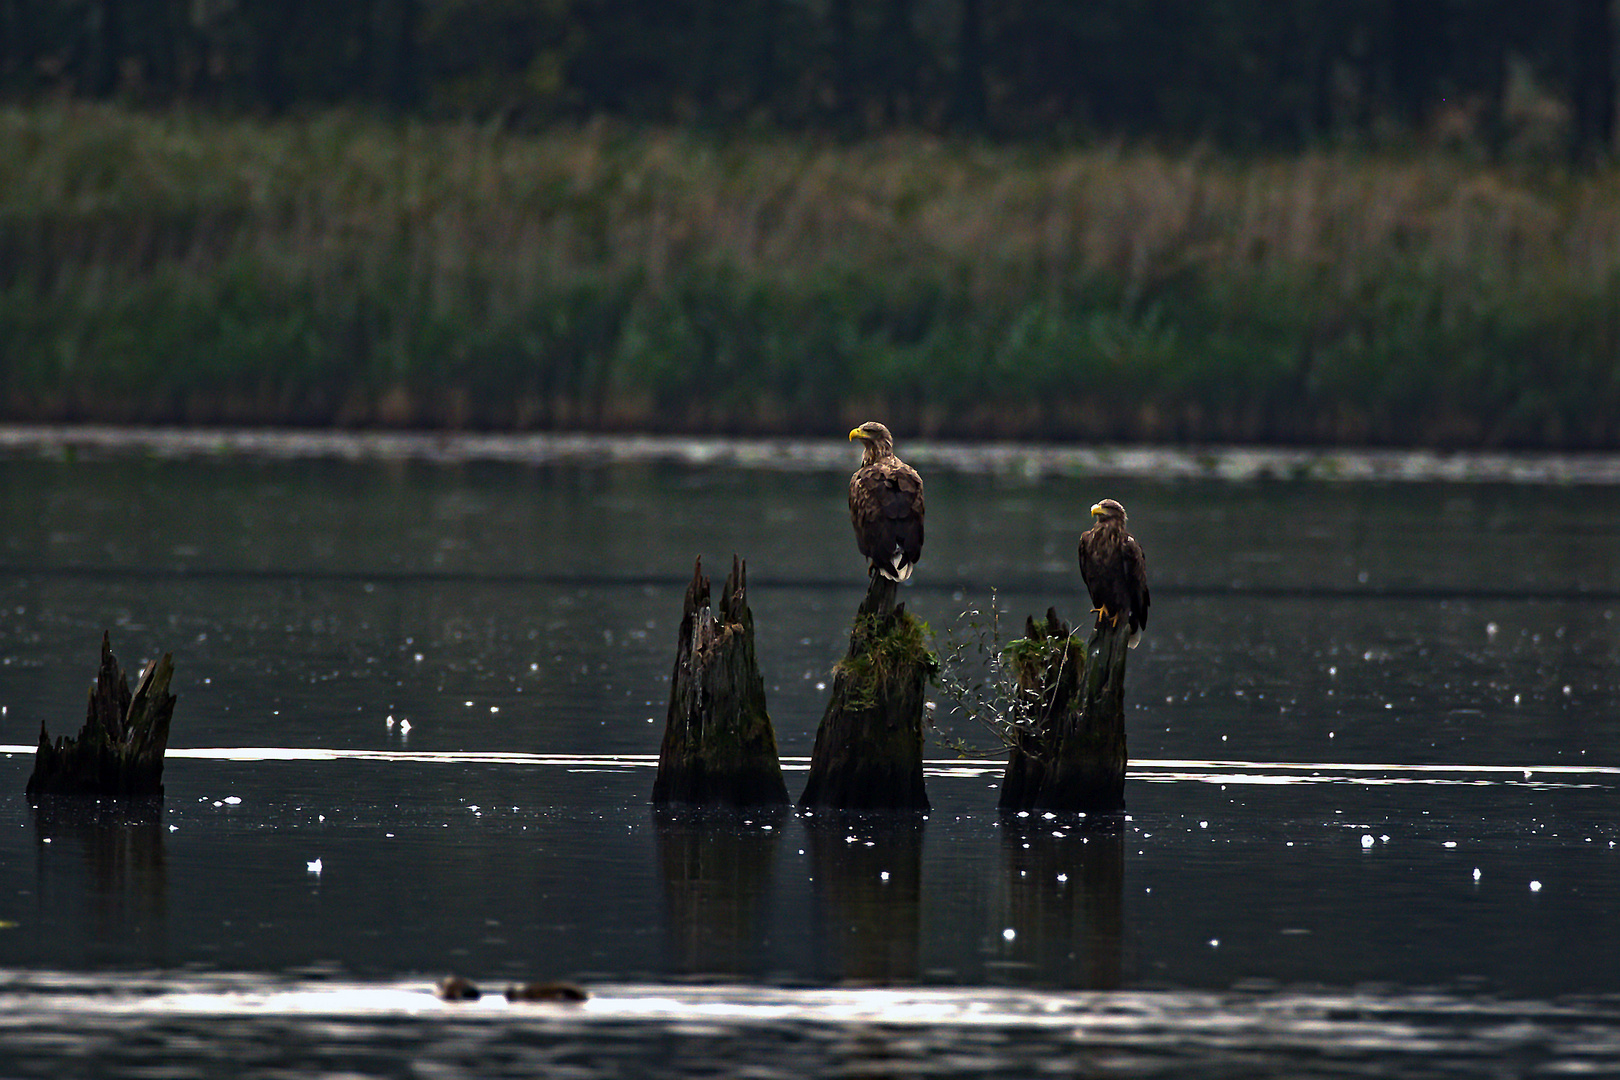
pixel 886 505
pixel 1114 569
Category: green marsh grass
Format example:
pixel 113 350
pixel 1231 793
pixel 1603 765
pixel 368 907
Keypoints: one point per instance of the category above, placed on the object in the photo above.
pixel 343 270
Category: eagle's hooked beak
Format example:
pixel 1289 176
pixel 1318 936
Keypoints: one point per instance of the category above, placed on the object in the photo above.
pixel 856 433
pixel 1097 510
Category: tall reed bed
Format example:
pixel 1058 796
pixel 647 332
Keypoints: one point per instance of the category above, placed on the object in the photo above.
pixel 342 270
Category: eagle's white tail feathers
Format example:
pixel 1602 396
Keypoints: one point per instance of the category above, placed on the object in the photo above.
pixel 1134 640
pixel 897 570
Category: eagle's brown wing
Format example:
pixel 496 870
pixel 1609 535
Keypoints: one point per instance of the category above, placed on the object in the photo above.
pixel 1095 563
pixel 886 511
pixel 1133 569
pixel 1115 572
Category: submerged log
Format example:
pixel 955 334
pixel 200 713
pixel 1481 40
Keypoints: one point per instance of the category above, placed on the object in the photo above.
pixel 868 751
pixel 1074 759
pixel 119 751
pixel 551 990
pixel 719 747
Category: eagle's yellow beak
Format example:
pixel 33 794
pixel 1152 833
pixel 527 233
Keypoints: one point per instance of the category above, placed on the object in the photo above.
pixel 1096 511
pixel 856 433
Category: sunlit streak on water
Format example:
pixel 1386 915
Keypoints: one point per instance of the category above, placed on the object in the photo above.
pixel 221 995
pixel 1163 770
pixel 126 1024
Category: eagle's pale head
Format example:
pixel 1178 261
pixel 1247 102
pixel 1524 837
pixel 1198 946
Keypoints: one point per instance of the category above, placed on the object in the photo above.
pixel 1109 510
pixel 879 443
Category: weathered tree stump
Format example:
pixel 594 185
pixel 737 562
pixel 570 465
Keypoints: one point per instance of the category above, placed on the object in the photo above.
pixel 119 751
pixel 1074 760
pixel 868 751
pixel 719 747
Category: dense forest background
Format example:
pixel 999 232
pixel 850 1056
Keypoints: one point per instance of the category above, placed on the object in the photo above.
pixel 1247 73
pixel 1374 222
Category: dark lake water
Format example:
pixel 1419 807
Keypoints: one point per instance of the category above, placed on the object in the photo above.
pixel 1373 806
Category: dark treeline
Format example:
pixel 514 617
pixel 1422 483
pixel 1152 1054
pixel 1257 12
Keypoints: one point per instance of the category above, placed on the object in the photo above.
pixel 1245 73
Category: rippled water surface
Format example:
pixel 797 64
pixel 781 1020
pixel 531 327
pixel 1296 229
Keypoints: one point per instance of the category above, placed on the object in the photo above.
pixel 1372 805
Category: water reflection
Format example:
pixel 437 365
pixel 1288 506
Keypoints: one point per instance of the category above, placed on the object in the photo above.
pixel 866 872
pixel 1065 885
pixel 120 845
pixel 717 871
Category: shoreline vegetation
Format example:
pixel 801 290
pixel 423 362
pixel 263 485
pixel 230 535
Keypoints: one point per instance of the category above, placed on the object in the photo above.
pixel 343 271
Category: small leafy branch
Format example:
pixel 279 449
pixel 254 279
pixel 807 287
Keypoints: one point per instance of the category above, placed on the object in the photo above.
pixel 979 675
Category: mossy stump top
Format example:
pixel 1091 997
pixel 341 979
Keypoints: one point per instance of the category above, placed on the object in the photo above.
pixel 1075 758
pixel 119 751
pixel 868 750
pixel 719 748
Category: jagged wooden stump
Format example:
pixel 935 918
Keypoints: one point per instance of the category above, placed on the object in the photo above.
pixel 868 751
pixel 719 747
pixel 1074 760
pixel 119 751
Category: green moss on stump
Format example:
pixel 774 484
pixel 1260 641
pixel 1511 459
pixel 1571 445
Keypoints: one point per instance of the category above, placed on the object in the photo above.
pixel 1075 759
pixel 886 651
pixel 868 751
